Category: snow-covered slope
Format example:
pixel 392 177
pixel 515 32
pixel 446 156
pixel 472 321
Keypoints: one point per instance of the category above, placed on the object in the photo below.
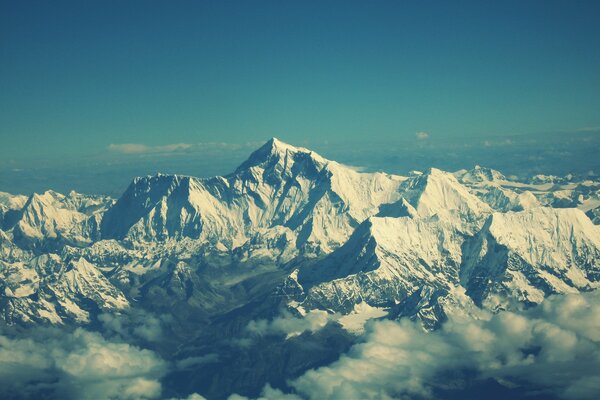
pixel 530 254
pixel 9 208
pixel 438 195
pixel 427 268
pixel 50 220
pixel 48 289
pixel 503 194
pixel 385 260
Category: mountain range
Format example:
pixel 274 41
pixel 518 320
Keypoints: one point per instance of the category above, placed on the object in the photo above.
pixel 292 233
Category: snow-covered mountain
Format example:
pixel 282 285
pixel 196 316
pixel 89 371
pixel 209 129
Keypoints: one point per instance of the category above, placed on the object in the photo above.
pixel 318 200
pixel 313 233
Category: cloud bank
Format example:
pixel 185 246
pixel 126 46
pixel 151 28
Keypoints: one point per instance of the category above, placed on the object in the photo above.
pixel 79 365
pixel 554 347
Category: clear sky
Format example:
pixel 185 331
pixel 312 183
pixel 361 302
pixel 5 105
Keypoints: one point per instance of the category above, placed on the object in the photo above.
pixel 78 76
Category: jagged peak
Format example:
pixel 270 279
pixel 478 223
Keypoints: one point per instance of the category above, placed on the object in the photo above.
pixel 422 180
pixel 47 195
pixel 480 174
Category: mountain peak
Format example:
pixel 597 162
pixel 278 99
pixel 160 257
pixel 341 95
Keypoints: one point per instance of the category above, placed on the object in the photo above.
pixel 275 145
pixel 276 149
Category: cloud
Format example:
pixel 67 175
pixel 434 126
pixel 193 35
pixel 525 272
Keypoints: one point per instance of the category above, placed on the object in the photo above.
pixel 134 324
pixel 193 362
pixel 290 325
pixel 140 148
pixel 81 364
pixel 268 393
pixel 422 135
pixel 554 347
pixel 498 143
pixel 589 129
pixel 193 396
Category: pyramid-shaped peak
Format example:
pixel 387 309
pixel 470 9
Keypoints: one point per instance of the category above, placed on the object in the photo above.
pixel 275 145
pixel 275 148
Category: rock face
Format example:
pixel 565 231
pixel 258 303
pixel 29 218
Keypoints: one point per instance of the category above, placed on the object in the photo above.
pixel 306 233
pixel 49 290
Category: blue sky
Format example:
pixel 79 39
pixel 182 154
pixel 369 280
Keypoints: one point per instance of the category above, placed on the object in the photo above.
pixel 107 83
pixel 78 76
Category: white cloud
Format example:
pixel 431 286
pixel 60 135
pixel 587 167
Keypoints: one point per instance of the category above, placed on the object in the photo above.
pixel 80 365
pixel 291 325
pixel 140 148
pixel 134 325
pixel 422 135
pixel 554 347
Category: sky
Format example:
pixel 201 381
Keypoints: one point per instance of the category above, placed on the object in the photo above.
pixel 99 80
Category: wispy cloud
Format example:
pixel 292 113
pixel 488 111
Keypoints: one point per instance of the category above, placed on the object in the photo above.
pixel 498 143
pixel 290 325
pixel 140 148
pixel 422 135
pixel 589 129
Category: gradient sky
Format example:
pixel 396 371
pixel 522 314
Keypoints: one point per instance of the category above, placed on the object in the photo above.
pixel 78 76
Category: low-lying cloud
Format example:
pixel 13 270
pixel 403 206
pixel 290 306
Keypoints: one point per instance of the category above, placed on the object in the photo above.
pixel 291 325
pixel 80 365
pixel 550 350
